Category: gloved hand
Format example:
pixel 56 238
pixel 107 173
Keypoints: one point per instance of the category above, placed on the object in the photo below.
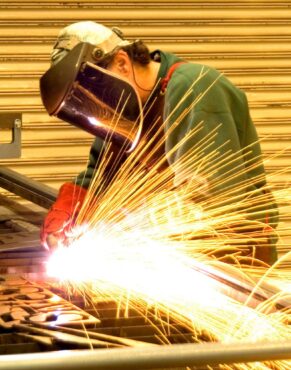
pixel 62 214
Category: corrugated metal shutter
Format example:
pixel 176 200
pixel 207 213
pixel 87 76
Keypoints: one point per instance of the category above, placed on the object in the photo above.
pixel 247 40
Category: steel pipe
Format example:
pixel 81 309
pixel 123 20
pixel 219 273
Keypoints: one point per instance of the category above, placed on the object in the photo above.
pixel 27 188
pixel 157 357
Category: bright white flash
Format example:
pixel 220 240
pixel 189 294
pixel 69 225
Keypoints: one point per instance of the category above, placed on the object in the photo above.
pixel 146 267
pixel 156 272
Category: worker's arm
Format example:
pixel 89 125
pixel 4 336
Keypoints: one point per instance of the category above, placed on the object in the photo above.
pixel 104 157
pixel 96 150
pixel 71 196
pixel 62 214
pixel 69 202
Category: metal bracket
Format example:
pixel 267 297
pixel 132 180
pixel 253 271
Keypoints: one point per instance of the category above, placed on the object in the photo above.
pixel 12 121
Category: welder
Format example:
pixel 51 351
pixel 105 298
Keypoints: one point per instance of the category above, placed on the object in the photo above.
pixel 96 74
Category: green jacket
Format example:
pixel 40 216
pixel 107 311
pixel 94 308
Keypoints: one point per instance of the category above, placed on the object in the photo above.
pixel 217 106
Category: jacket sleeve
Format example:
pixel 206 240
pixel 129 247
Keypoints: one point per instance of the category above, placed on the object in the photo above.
pixel 85 177
pixel 99 151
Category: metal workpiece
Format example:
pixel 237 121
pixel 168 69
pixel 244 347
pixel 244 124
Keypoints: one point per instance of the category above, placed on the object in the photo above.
pixel 235 285
pixel 159 357
pixel 27 188
pixel 44 326
pixel 19 241
pixel 34 320
pixel 23 302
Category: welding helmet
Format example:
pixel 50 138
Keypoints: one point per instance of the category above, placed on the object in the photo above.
pixel 78 90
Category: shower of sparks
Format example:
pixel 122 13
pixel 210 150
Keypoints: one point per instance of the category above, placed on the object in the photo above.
pixel 156 244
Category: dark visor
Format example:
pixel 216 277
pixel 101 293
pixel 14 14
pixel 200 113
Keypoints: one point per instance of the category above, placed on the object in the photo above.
pixel 92 98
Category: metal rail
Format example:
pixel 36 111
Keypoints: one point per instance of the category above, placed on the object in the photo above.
pixel 157 357
pixel 27 188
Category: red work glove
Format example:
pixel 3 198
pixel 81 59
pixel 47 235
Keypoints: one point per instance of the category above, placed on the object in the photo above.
pixel 62 214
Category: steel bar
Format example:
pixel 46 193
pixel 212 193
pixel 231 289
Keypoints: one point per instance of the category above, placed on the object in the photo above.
pixel 156 357
pixel 103 337
pixel 18 241
pixel 60 337
pixel 237 287
pixel 27 188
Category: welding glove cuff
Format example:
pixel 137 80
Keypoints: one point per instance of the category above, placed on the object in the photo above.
pixel 70 198
pixel 63 211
